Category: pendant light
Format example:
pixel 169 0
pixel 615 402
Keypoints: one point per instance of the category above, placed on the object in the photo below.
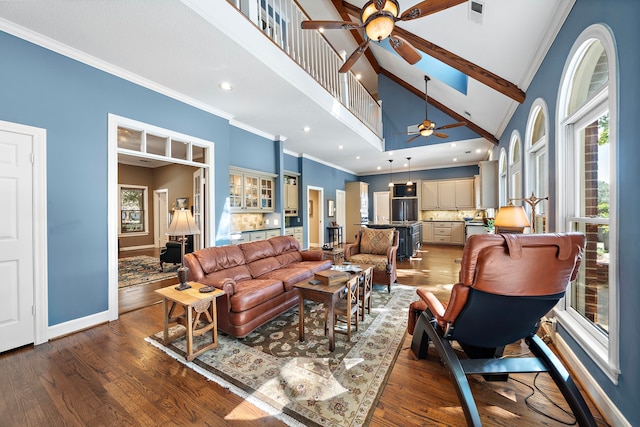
pixel 409 183
pixel 390 173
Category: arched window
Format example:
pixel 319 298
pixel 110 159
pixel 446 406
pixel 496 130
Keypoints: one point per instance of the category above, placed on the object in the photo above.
pixel 537 162
pixel 502 178
pixel 586 193
pixel 515 168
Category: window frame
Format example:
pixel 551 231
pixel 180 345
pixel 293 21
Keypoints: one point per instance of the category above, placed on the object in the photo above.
pixel 145 209
pixel 503 180
pixel 515 167
pixel 604 352
pixel 534 150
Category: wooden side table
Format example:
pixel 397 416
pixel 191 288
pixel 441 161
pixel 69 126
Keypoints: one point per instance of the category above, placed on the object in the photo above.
pixel 198 315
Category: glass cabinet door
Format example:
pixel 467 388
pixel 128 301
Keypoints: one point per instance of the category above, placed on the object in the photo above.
pixel 266 193
pixel 235 191
pixel 251 192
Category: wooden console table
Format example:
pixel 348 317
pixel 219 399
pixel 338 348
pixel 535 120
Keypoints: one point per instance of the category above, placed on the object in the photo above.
pixel 198 315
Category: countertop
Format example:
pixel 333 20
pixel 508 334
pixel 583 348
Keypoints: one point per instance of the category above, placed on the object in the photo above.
pixel 394 224
pixel 249 230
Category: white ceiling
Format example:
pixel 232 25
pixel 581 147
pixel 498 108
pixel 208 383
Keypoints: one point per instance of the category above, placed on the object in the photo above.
pixel 185 48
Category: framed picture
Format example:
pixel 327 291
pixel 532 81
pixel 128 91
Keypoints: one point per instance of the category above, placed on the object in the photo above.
pixel 182 203
pixel 331 208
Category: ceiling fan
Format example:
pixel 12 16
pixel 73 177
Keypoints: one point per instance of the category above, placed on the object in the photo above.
pixel 427 127
pixel 378 18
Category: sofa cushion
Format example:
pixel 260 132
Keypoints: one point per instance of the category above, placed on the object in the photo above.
pixel 259 257
pixel 282 244
pixel 313 266
pixel 253 292
pixel 289 276
pixel 228 261
pixel 376 241
pixel 289 258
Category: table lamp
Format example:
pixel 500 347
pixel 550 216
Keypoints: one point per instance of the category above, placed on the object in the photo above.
pixel 511 219
pixel 182 225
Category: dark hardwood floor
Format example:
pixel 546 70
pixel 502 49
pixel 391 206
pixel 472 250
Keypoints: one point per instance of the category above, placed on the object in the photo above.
pixel 107 376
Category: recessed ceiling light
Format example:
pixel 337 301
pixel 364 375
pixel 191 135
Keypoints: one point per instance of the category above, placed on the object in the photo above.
pixel 340 147
pixel 379 167
pixel 358 76
pixel 357 157
pixel 453 144
pixel 321 29
pixel 478 150
pixel 306 128
pixel 226 86
pixel 391 153
pixel 455 160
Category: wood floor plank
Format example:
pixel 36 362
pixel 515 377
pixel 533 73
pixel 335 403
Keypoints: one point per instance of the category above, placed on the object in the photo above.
pixel 108 376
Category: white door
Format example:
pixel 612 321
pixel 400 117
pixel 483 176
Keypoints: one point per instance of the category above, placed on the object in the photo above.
pixel 381 213
pixel 16 240
pixel 161 217
pixel 315 215
pixel 198 207
pixel 341 213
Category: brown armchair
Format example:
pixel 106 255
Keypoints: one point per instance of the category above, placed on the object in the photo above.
pixel 377 247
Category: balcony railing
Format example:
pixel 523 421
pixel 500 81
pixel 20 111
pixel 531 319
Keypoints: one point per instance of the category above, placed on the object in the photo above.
pixel 280 20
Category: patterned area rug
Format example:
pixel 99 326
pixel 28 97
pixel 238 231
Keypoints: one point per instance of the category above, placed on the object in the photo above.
pixel 143 269
pixel 302 383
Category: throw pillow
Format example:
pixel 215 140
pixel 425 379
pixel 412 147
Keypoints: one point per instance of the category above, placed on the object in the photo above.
pixel 375 241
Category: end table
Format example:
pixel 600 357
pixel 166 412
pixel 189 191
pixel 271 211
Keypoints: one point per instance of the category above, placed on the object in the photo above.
pixel 198 315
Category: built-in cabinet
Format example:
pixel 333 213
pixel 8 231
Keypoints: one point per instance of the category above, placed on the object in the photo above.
pixel 357 208
pixel 290 195
pixel 447 195
pixel 251 191
pixel 295 232
pixel 445 232
pixel 486 185
pixel 253 236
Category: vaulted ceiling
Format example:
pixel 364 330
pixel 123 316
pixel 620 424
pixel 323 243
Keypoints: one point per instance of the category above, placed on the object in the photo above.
pixel 181 49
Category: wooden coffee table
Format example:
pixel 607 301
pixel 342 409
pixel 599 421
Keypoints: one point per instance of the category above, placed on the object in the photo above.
pixel 198 315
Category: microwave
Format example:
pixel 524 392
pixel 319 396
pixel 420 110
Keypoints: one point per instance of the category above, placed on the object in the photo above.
pixel 404 190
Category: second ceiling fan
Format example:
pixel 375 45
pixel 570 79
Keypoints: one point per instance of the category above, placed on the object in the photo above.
pixel 427 127
pixel 378 18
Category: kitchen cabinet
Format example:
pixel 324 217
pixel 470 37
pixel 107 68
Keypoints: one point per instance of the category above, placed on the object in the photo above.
pixel 445 232
pixel 272 233
pixel 486 185
pixel 296 232
pixel 290 195
pixel 450 194
pixel 250 191
pixel 357 208
pixel 427 232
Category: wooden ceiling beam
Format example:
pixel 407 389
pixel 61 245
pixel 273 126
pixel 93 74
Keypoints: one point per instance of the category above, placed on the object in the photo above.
pixel 474 127
pixel 346 16
pixel 472 70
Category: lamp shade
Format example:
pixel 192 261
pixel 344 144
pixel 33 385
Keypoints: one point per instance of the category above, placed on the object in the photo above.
pixel 511 218
pixel 379 23
pixel 182 224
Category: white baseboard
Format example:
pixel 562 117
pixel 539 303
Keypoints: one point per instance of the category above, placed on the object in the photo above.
pixel 76 325
pixel 136 248
pixel 591 387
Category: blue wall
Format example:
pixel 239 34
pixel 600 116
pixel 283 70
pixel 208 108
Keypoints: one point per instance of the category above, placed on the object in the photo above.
pixel 262 151
pixel 621 16
pixel 401 108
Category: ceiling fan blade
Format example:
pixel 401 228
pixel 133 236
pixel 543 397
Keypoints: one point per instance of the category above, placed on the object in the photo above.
pixel 354 57
pixel 329 25
pixel 440 134
pixel 452 125
pixel 404 49
pixel 428 7
pixel 411 139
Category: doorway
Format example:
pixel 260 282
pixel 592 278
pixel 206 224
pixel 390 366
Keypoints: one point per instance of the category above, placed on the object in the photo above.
pixel 161 219
pixel 315 216
pixel 381 211
pixel 341 213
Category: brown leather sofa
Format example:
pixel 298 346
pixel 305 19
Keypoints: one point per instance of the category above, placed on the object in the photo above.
pixel 257 278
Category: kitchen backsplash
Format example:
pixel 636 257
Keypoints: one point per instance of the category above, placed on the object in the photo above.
pixel 248 221
pixel 446 215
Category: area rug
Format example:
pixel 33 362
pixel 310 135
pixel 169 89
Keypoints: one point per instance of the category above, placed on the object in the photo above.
pixel 302 383
pixel 143 269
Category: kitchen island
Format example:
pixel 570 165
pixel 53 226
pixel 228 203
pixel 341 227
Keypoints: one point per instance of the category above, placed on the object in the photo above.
pixel 409 239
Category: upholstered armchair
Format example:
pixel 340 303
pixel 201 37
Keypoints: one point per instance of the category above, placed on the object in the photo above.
pixel 172 252
pixel 377 247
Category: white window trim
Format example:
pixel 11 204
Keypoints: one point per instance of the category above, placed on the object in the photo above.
pixel 606 355
pixel 514 166
pixel 534 148
pixel 145 207
pixel 503 178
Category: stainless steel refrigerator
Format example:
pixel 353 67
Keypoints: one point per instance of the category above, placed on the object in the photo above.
pixel 404 209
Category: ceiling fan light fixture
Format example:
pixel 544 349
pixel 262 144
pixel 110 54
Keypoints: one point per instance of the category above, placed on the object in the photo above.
pixel 390 6
pixel 378 24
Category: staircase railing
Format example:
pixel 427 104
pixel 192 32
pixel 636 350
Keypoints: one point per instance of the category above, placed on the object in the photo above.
pixel 280 21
